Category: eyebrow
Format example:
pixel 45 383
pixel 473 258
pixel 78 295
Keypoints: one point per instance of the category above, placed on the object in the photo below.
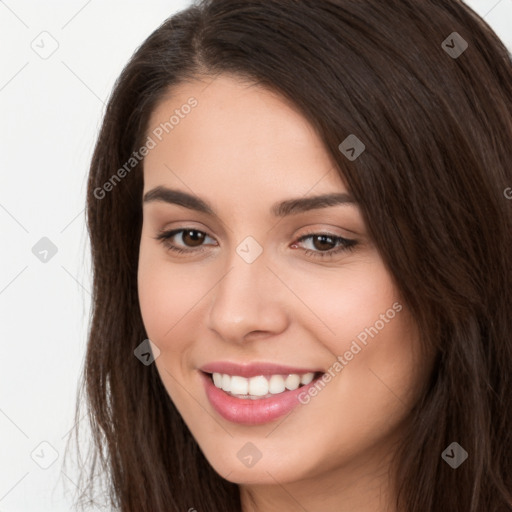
pixel 281 209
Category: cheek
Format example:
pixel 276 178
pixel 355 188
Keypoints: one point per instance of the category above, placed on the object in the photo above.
pixel 364 321
pixel 166 294
pixel 348 300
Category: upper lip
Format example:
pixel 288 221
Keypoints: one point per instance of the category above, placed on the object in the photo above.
pixel 254 369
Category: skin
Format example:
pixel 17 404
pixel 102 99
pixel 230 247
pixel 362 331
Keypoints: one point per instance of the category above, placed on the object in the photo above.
pixel 242 149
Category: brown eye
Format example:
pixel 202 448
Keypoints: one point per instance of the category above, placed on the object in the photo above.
pixel 183 240
pixel 325 245
pixel 193 238
pixel 323 242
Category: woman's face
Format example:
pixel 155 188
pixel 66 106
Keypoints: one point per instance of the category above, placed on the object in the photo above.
pixel 257 285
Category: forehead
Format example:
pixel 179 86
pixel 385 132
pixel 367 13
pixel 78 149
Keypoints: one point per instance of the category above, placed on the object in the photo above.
pixel 238 135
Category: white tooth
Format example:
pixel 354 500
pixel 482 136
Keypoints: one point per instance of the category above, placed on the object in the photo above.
pixel 239 385
pixel 307 378
pixel 276 384
pixel 226 381
pixel 217 380
pixel 292 382
pixel 258 386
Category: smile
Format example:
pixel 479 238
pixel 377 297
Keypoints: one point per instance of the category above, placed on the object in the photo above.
pixel 256 393
pixel 260 386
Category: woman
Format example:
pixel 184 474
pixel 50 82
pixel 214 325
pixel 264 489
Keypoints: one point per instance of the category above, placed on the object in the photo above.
pixel 303 206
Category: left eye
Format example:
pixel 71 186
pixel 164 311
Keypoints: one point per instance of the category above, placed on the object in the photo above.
pixel 319 240
pixel 192 240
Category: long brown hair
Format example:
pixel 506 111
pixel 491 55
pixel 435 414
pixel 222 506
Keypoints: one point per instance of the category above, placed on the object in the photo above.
pixel 435 116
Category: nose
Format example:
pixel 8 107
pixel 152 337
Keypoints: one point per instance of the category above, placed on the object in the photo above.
pixel 248 301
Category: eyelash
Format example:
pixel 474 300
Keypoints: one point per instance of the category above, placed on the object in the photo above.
pixel 347 244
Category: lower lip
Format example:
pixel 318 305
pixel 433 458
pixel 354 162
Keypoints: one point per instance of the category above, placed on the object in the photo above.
pixel 252 412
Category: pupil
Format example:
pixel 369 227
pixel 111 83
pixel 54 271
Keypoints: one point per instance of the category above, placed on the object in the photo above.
pixel 323 239
pixel 196 237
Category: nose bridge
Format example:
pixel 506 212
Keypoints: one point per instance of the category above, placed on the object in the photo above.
pixel 249 297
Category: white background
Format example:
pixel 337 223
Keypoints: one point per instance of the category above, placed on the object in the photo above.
pixel 51 110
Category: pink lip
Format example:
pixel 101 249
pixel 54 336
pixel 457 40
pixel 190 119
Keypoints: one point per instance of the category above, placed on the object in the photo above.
pixel 254 369
pixel 252 412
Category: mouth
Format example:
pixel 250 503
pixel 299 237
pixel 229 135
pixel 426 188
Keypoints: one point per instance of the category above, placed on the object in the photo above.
pixel 260 397
pixel 261 386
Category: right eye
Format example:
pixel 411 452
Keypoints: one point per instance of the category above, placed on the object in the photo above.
pixel 190 238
